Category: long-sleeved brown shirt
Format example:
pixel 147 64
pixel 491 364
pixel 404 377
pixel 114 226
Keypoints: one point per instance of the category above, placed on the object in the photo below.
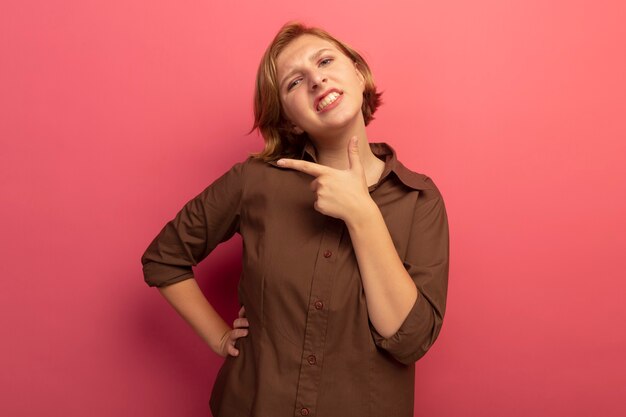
pixel 311 349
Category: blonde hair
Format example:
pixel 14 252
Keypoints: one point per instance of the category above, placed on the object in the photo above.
pixel 269 118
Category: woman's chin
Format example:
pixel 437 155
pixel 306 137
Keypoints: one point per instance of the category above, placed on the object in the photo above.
pixel 341 121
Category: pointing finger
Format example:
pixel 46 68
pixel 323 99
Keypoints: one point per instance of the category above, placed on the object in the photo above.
pixel 307 167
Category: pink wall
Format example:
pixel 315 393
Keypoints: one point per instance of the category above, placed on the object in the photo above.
pixel 114 114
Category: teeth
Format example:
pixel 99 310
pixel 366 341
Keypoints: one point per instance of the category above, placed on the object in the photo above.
pixel 327 100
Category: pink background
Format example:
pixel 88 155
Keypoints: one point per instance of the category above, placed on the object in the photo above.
pixel 114 114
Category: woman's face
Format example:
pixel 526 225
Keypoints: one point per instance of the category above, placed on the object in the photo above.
pixel 311 72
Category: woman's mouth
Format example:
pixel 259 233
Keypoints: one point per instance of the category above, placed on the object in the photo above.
pixel 330 101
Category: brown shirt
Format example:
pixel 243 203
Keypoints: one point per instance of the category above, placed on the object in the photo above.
pixel 311 349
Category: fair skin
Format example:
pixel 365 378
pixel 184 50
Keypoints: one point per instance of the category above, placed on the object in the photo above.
pixel 189 301
pixel 346 167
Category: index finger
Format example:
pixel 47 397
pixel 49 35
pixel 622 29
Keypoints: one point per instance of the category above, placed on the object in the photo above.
pixel 307 167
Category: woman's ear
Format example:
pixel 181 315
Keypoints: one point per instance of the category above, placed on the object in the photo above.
pixel 297 130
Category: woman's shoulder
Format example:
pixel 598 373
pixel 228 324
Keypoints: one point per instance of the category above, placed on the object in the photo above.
pixel 250 171
pixel 256 166
pixel 249 163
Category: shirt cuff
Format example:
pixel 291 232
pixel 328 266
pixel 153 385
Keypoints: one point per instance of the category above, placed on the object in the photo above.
pixel 413 338
pixel 159 275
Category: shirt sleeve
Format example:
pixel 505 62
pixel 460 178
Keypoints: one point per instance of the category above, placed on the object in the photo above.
pixel 427 263
pixel 205 221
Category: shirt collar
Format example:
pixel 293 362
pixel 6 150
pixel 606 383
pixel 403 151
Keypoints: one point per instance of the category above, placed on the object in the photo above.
pixel 388 155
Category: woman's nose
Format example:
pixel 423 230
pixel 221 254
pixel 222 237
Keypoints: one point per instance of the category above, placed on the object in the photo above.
pixel 317 79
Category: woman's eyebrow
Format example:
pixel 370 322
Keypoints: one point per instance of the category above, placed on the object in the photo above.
pixel 311 58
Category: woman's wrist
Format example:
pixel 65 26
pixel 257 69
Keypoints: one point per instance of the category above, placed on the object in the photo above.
pixel 365 214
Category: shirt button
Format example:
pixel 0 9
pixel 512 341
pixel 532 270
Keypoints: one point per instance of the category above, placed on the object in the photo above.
pixel 312 359
pixel 327 254
pixel 304 411
pixel 319 305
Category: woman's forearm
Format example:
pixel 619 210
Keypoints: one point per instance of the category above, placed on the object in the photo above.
pixel 189 301
pixel 389 289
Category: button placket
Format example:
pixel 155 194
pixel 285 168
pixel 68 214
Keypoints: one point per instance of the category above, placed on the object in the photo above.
pixel 317 318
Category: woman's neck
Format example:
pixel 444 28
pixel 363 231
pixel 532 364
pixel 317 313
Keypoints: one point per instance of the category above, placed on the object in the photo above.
pixel 333 152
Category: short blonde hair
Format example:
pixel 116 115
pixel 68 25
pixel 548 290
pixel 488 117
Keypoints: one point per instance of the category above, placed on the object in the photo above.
pixel 269 117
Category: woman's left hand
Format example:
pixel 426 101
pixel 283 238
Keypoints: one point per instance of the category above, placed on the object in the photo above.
pixel 340 193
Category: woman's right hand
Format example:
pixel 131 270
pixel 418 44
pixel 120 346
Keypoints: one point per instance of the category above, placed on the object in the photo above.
pixel 227 344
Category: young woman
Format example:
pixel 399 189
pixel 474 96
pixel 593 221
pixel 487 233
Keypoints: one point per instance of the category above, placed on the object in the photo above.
pixel 345 250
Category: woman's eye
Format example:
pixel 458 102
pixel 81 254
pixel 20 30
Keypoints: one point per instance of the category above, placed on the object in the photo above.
pixel 325 60
pixel 292 84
